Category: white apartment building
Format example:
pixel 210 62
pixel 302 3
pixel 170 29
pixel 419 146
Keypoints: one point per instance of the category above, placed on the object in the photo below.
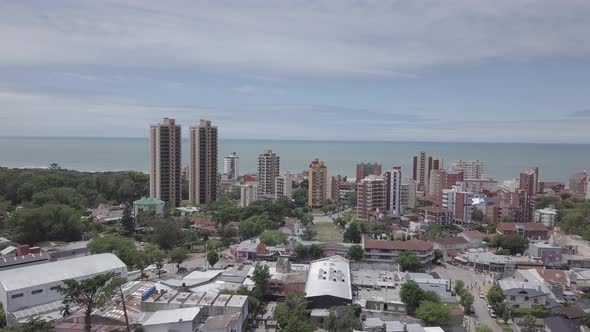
pixel 248 194
pixel 231 166
pixel 472 169
pixel 546 216
pixel 460 202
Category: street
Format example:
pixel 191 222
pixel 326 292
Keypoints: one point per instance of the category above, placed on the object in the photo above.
pixel 476 283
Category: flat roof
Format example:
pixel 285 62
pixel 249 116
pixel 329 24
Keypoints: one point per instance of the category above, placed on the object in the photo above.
pixel 173 316
pixel 329 276
pixel 51 272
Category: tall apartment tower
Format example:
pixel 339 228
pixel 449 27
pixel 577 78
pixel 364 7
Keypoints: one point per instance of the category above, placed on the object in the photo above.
pixel 247 194
pixel 165 167
pixel 371 198
pixel 203 163
pixel 284 186
pixel 317 177
pixel 231 166
pixel 393 185
pixel 472 169
pixel 422 166
pixel 578 183
pixel 529 181
pixel 268 171
pixel 408 193
pixel 365 169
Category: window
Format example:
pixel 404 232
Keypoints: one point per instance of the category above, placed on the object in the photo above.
pixel 55 288
pixel 15 296
pixel 37 291
pixel 526 298
pixel 512 298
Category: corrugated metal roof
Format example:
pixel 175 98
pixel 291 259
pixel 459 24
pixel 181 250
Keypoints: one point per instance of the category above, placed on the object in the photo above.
pixel 329 276
pixel 51 272
pixel 173 316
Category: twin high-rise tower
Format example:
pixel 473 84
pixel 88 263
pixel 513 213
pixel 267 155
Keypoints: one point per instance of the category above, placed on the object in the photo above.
pixel 166 158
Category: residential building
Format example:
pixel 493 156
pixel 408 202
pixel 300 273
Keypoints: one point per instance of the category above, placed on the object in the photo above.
pixel 371 198
pixel 526 203
pixel 472 169
pixel 529 230
pixel 268 171
pixel 148 204
pixel 408 193
pixel 340 187
pixel 524 297
pixel 177 320
pixel 248 194
pixel 549 253
pixel 436 215
pixel 578 184
pixel 393 183
pixel 442 287
pixel 529 181
pixel 231 166
pixel 284 186
pixel 384 251
pixel 474 237
pixel 203 163
pixel 437 182
pixel 365 169
pixel 480 185
pixel 317 184
pixel 422 165
pixel 30 287
pixel 546 216
pixel 454 178
pixel 165 162
pixel 460 202
pixel 450 243
pixel 328 283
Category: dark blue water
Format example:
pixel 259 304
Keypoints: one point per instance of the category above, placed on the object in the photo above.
pixel 503 161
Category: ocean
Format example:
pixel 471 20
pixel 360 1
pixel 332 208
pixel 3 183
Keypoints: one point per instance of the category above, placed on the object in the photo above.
pixel 557 162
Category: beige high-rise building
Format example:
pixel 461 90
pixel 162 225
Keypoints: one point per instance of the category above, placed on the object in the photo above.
pixel 203 163
pixel 317 191
pixel 165 167
pixel 371 198
pixel 422 166
pixel 268 171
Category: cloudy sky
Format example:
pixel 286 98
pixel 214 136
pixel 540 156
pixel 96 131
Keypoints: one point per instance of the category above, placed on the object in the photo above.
pixel 486 70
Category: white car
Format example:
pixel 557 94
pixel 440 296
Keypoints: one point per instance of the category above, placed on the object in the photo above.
pixel 482 296
pixel 492 314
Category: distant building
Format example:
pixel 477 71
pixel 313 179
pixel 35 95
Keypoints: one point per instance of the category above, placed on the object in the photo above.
pixel 268 171
pixel 148 204
pixel 529 181
pixel 578 184
pixel 165 162
pixel 408 193
pixel 529 230
pixel 365 169
pixel 472 169
pixel 248 194
pixel 474 237
pixel 450 243
pixel 340 187
pixel 550 254
pixel 203 163
pixel 437 183
pixel 231 166
pixel 384 251
pixel 371 198
pixel 177 320
pixel 422 166
pixel 546 216
pixel 284 186
pixel 480 185
pixel 442 287
pixel 393 191
pixel 317 184
pixel 460 203
pixel 329 283
pixel 436 215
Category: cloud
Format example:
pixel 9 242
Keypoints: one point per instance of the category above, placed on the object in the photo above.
pixel 335 38
pixel 580 114
pixel 246 89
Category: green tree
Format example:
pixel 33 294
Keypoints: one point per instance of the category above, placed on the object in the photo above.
pixel 408 261
pixel 431 296
pixel 459 287
pixel 293 315
pixel 89 294
pixel 167 234
pixel 157 257
pixel 495 295
pixel 438 255
pixel 254 225
pixel 477 214
pixel 309 233
pixel 2 316
pixel 141 260
pixel 55 222
pixel 356 253
pixel 412 295
pixel 273 238
pixel 120 246
pixel 467 301
pixel 212 258
pixel 529 322
pixel 503 252
pixel 352 234
pixel 261 278
pixel 34 325
pixel 483 328
pixel 516 244
pixel 177 256
pixel 434 313
pixel 343 319
pixel 351 198
pixel 127 221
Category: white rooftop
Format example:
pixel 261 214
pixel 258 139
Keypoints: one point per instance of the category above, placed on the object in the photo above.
pixel 329 276
pixel 173 316
pixel 547 211
pixel 51 272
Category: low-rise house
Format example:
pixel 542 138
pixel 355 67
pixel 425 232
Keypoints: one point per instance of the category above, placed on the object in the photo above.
pixel 378 290
pixel 383 251
pixel 575 261
pixel 529 230
pixel 64 250
pixel 108 213
pixel 450 243
pixel 483 260
pixel 524 297
pixel 572 313
pixel 148 204
pixel 474 237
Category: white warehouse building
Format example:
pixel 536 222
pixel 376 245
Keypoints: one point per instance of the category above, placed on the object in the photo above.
pixel 36 285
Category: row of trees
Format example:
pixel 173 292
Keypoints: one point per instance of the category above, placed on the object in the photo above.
pixel 466 297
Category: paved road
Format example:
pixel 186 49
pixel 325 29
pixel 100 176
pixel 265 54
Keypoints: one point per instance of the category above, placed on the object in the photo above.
pixel 476 283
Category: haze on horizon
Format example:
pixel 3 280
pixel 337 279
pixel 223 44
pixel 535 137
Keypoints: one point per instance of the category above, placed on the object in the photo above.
pixel 490 71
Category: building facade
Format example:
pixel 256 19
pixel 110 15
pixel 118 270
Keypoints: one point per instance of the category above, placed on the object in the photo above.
pixel 578 184
pixel 268 171
pixel 284 186
pixel 472 169
pixel 231 166
pixel 165 162
pixel 529 181
pixel 203 163
pixel 317 191
pixel 408 193
pixel 422 165
pixel 365 169
pixel 248 194
pixel 393 191
pixel 340 187
pixel 437 215
pixel 384 251
pixel 459 202
pixel 371 198
pixel 546 216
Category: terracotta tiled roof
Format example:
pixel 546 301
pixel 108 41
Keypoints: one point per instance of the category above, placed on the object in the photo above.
pixel 410 245
pixel 445 241
pixel 528 226
pixel 555 276
pixel 474 234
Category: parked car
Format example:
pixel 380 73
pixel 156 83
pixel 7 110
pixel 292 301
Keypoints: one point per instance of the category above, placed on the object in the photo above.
pixel 493 314
pixel 482 296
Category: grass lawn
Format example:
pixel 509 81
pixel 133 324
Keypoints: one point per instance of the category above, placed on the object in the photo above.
pixel 327 232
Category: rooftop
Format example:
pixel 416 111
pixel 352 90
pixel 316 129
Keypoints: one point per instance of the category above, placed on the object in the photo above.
pixel 435 209
pixel 329 276
pixel 220 321
pixel 173 316
pixel 527 226
pixel 51 272
pixel 410 245
pixel 450 240
pixel 148 201
pixel 474 234
pixel 561 324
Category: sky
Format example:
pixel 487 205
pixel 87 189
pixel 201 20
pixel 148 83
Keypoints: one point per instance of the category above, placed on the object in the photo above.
pixel 399 70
